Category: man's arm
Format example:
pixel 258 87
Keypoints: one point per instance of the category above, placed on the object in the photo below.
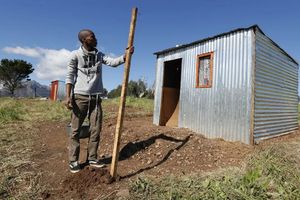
pixel 116 61
pixel 68 102
pixel 71 73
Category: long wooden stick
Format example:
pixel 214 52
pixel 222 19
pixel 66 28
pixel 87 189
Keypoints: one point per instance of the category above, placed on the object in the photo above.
pixel 115 156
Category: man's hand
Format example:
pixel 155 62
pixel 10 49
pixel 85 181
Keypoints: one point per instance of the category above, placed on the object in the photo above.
pixel 130 50
pixel 68 103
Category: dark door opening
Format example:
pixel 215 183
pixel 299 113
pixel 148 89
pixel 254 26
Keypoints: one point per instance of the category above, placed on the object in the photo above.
pixel 170 93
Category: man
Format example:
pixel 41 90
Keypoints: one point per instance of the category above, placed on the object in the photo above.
pixel 84 88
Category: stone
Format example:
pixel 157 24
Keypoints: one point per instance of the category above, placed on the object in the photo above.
pixel 123 193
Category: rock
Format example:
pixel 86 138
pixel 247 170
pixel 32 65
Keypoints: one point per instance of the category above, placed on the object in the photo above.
pixel 123 193
pixel 102 155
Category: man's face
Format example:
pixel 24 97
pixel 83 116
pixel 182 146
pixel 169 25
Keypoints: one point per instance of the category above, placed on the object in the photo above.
pixel 90 40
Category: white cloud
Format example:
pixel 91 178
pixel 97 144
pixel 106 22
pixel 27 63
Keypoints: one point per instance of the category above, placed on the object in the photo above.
pixel 51 65
pixel 22 51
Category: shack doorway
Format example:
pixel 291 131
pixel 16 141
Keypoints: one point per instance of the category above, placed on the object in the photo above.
pixel 170 93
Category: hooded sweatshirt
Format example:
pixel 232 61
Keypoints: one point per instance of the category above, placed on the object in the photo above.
pixel 85 70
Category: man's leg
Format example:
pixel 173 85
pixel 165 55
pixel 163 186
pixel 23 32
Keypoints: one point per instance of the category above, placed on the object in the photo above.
pixel 79 112
pixel 95 128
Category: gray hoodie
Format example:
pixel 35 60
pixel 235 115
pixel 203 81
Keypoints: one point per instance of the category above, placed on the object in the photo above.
pixel 85 70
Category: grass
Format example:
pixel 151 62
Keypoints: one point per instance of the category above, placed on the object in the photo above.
pixel 272 173
pixel 31 110
pixel 18 180
pixel 131 102
pixel 19 175
pixel 10 110
pixel 268 174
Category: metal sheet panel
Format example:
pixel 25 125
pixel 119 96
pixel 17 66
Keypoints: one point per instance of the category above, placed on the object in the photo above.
pixel 159 81
pixel 61 92
pixel 276 91
pixel 224 110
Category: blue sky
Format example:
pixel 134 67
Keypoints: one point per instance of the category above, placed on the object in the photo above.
pixel 44 32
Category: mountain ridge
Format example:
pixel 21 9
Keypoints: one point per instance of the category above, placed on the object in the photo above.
pixel 31 89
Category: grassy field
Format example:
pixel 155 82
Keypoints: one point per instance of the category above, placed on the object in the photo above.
pixel 271 173
pixel 18 117
pixel 17 128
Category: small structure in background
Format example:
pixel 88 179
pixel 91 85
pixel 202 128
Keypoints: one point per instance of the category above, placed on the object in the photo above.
pixel 239 86
pixel 57 91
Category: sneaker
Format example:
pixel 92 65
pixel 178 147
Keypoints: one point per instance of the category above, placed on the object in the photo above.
pixel 96 163
pixel 74 167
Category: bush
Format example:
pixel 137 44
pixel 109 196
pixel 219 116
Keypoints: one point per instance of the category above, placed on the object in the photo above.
pixel 134 89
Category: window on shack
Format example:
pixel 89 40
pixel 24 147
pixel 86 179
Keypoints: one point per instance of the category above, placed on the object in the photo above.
pixel 204 69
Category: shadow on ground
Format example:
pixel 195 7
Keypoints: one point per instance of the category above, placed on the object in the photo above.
pixel 132 148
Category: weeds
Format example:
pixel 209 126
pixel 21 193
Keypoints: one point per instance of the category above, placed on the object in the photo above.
pixel 18 180
pixel 19 176
pixel 10 110
pixel 269 174
pixel 31 110
pixel 273 173
pixel 145 105
pixel 45 111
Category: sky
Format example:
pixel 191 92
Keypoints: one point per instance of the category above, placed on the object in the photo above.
pixel 44 32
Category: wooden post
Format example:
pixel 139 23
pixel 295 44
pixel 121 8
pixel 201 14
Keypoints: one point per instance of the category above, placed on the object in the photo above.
pixel 115 156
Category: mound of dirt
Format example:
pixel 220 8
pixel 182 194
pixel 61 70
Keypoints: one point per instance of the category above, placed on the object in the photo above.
pixel 145 150
pixel 86 178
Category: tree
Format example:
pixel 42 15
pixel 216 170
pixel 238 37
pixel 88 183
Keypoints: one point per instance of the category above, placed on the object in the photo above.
pixel 134 89
pixel 105 92
pixel 115 92
pixel 13 73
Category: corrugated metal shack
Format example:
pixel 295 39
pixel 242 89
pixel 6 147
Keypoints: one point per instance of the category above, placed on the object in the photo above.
pixel 238 85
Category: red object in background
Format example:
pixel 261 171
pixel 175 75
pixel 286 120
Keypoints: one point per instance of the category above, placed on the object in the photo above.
pixel 57 92
pixel 54 89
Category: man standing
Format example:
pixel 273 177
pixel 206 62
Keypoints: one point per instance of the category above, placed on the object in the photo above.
pixel 84 89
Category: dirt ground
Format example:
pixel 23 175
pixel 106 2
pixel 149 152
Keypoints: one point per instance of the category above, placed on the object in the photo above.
pixel 146 149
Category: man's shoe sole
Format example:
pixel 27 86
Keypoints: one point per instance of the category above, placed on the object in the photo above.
pixel 97 165
pixel 74 171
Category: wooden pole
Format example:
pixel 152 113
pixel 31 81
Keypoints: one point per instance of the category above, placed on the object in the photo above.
pixel 115 156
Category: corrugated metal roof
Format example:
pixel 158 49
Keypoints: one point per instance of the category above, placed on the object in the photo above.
pixel 254 27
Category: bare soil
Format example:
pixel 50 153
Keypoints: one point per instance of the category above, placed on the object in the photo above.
pixel 146 149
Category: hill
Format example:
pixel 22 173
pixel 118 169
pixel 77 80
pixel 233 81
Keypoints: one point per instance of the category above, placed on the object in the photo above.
pixel 31 89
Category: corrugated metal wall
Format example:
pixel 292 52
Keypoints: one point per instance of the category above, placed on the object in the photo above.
pixel 159 80
pixel 224 110
pixel 276 91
